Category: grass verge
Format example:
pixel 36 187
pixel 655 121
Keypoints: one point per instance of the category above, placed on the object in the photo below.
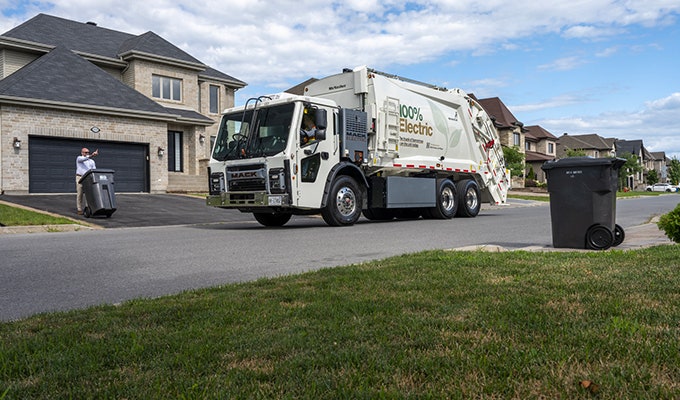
pixel 16 216
pixel 435 324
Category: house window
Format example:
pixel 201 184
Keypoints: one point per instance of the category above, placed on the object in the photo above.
pixel 166 88
pixel 214 99
pixel 527 146
pixel 175 153
pixel 551 148
pixel 515 139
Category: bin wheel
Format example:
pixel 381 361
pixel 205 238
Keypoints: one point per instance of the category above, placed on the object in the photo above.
pixel 619 235
pixel 599 237
pixel 86 212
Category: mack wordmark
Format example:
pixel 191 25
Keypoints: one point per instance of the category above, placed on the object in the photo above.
pixel 359 141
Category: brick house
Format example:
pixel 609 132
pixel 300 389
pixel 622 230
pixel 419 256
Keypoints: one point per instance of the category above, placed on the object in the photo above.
pixel 540 146
pixel 592 145
pixel 148 106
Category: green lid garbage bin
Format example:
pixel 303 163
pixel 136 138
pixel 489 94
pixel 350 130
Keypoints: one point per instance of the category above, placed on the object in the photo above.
pixel 583 202
pixel 99 192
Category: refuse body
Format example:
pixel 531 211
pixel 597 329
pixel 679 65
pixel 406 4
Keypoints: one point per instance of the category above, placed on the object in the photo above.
pixel 99 192
pixel 583 202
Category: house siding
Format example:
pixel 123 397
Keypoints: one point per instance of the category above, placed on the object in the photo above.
pixel 12 61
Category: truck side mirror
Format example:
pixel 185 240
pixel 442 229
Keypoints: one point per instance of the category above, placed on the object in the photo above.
pixel 321 122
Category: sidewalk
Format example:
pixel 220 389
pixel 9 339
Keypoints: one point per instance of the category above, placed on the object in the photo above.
pixel 637 237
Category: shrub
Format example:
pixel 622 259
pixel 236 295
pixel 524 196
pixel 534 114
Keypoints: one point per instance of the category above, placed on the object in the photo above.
pixel 670 223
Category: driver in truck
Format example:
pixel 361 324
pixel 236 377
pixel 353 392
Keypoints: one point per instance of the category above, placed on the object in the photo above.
pixel 308 129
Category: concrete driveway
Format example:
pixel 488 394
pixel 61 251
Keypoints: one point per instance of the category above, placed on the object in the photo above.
pixel 135 210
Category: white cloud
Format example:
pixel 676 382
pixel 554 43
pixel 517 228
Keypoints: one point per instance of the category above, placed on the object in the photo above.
pixel 656 124
pixel 563 64
pixel 269 41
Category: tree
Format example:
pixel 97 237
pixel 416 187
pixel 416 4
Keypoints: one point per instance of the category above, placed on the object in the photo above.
pixel 674 171
pixel 631 167
pixel 652 177
pixel 514 160
pixel 576 153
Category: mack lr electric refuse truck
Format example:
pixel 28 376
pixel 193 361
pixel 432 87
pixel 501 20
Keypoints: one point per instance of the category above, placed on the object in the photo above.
pixel 359 141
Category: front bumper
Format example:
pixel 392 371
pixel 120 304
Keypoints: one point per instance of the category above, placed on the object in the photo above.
pixel 248 200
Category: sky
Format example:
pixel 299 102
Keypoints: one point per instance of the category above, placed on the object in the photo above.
pixel 608 67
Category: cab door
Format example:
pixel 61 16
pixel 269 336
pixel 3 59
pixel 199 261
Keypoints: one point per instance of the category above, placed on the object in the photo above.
pixel 315 155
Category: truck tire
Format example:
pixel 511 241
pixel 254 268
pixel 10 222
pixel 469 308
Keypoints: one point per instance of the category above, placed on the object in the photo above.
pixel 269 219
pixel 343 206
pixel 469 202
pixel 447 201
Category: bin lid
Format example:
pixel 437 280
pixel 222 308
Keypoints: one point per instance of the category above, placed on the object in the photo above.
pixel 569 162
pixel 99 171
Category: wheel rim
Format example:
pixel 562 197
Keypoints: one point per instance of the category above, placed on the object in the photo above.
pixel 448 199
pixel 346 202
pixel 599 237
pixel 471 199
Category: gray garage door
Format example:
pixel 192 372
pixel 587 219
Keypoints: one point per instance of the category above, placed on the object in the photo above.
pixel 52 164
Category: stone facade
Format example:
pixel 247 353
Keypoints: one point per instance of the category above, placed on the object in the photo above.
pixel 22 122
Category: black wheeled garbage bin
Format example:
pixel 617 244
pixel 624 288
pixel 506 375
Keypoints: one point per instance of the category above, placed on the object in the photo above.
pixel 99 192
pixel 583 202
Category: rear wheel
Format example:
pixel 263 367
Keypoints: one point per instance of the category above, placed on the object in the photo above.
pixel 469 204
pixel 343 206
pixel 619 235
pixel 271 219
pixel 87 212
pixel 447 201
pixel 599 237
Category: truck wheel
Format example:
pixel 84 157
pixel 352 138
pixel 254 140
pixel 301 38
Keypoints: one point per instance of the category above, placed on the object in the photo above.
pixel 447 201
pixel 343 206
pixel 469 198
pixel 269 219
pixel 599 237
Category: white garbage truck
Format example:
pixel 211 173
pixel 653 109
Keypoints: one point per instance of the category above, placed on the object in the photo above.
pixel 361 141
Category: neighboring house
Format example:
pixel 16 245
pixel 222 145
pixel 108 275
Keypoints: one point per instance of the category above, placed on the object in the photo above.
pixel 660 165
pixel 636 147
pixel 148 106
pixel 592 145
pixel 540 146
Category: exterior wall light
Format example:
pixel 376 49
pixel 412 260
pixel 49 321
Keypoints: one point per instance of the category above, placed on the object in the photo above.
pixel 16 143
pixel 201 139
pixel 161 151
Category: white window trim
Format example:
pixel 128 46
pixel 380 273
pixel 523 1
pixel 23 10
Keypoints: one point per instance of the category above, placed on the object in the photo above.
pixel 171 80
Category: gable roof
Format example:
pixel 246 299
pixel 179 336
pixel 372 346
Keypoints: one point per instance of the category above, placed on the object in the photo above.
pixel 88 39
pixel 500 112
pixel 214 74
pixel 81 37
pixel 536 131
pixel 57 77
pixel 150 43
pixel 629 146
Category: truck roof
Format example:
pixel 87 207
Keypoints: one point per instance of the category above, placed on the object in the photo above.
pixel 282 98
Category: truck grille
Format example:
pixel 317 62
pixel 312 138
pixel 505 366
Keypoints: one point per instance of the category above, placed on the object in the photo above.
pixel 247 178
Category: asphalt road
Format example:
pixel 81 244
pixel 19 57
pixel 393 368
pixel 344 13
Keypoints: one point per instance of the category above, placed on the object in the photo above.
pixel 49 272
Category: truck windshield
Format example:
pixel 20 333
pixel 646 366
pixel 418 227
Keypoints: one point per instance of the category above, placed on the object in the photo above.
pixel 267 136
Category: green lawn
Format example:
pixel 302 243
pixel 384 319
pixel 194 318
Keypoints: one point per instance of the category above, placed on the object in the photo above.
pixel 14 216
pixel 436 324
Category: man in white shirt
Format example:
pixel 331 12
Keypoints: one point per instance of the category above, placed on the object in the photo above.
pixel 84 163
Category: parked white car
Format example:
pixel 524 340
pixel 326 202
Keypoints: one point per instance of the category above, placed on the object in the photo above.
pixel 662 187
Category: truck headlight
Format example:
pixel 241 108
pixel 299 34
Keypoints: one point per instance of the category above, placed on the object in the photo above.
pixel 277 180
